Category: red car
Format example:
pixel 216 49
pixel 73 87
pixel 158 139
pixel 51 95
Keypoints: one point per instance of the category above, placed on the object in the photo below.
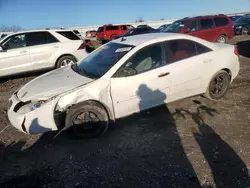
pixel 91 33
pixel 108 32
pixel 214 28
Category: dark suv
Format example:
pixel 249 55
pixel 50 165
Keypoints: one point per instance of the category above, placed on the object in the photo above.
pixel 242 25
pixel 214 28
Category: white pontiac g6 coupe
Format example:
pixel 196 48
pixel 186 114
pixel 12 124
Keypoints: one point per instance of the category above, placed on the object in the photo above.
pixel 120 78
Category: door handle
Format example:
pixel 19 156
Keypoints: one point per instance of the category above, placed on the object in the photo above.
pixel 22 52
pixel 163 74
pixel 207 60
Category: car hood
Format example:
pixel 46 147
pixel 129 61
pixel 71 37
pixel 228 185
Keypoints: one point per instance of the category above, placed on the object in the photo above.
pixel 52 84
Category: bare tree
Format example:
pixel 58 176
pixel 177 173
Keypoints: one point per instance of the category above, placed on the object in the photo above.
pixel 140 19
pixel 13 28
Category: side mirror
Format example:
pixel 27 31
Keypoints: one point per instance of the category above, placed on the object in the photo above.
pixel 185 30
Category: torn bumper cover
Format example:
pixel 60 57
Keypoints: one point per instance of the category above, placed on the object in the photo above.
pixel 32 120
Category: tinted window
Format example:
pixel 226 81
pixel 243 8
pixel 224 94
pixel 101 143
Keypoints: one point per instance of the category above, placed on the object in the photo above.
pixel 178 50
pixel 99 62
pixel 192 26
pixel 201 49
pixel 76 32
pixel 69 35
pixel 38 38
pixel 100 29
pixel 123 27
pixel 16 41
pixel 112 27
pixel 145 59
pixel 221 21
pixel 206 23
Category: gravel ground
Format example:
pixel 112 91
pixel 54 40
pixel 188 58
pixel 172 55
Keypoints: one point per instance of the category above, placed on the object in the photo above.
pixel 193 142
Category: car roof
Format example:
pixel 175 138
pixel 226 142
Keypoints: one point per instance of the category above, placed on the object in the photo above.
pixel 200 17
pixel 143 38
pixel 39 30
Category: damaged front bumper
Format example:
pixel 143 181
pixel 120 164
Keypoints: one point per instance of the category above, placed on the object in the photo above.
pixel 32 120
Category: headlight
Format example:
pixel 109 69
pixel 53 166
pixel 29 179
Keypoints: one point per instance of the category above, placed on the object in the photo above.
pixel 36 105
pixel 239 27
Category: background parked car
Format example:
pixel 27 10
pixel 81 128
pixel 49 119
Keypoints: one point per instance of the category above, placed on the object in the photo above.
pixel 137 31
pixel 90 33
pixel 242 25
pixel 35 50
pixel 214 28
pixel 108 32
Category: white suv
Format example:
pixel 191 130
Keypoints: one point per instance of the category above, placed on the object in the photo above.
pixel 34 50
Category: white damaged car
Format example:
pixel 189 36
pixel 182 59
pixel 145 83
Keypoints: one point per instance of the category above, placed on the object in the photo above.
pixel 120 78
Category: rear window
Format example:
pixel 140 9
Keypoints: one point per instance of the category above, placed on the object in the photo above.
pixel 100 29
pixel 221 21
pixel 76 32
pixel 69 35
pixel 112 27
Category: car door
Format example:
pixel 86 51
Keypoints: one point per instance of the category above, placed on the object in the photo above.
pixel 141 82
pixel 193 28
pixel 43 47
pixel 208 30
pixel 14 58
pixel 187 65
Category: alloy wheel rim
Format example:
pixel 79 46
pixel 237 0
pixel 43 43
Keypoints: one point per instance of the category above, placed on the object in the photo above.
pixel 218 85
pixel 66 62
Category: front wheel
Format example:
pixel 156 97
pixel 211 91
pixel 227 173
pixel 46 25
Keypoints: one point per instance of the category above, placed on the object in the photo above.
pixel 87 120
pixel 244 31
pixel 218 86
pixel 222 39
pixel 65 61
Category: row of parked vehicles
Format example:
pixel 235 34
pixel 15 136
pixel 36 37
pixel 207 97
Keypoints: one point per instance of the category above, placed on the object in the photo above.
pixel 214 28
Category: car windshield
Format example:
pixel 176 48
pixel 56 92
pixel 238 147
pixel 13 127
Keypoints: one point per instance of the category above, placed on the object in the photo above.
pixel 96 64
pixel 175 27
pixel 100 29
pixel 242 19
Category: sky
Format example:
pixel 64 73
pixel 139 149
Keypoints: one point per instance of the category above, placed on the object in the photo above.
pixel 31 14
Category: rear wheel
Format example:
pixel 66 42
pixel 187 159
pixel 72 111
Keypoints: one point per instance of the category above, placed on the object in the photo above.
pixel 222 39
pixel 244 31
pixel 87 120
pixel 65 61
pixel 218 86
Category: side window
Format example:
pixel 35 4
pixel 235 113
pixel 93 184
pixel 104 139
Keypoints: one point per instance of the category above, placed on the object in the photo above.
pixel 178 50
pixel 206 23
pixel 51 38
pixel 36 38
pixel 201 49
pixel 16 41
pixel 144 60
pixel 192 26
pixel 123 27
pixel 221 21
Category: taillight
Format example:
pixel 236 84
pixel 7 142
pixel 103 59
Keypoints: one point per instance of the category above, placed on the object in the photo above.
pixel 82 46
pixel 236 51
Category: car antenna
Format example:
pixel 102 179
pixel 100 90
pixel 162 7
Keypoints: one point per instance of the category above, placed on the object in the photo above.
pixel 123 39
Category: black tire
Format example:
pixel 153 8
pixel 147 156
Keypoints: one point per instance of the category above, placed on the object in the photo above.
pixel 94 120
pixel 222 39
pixel 218 86
pixel 244 31
pixel 61 61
